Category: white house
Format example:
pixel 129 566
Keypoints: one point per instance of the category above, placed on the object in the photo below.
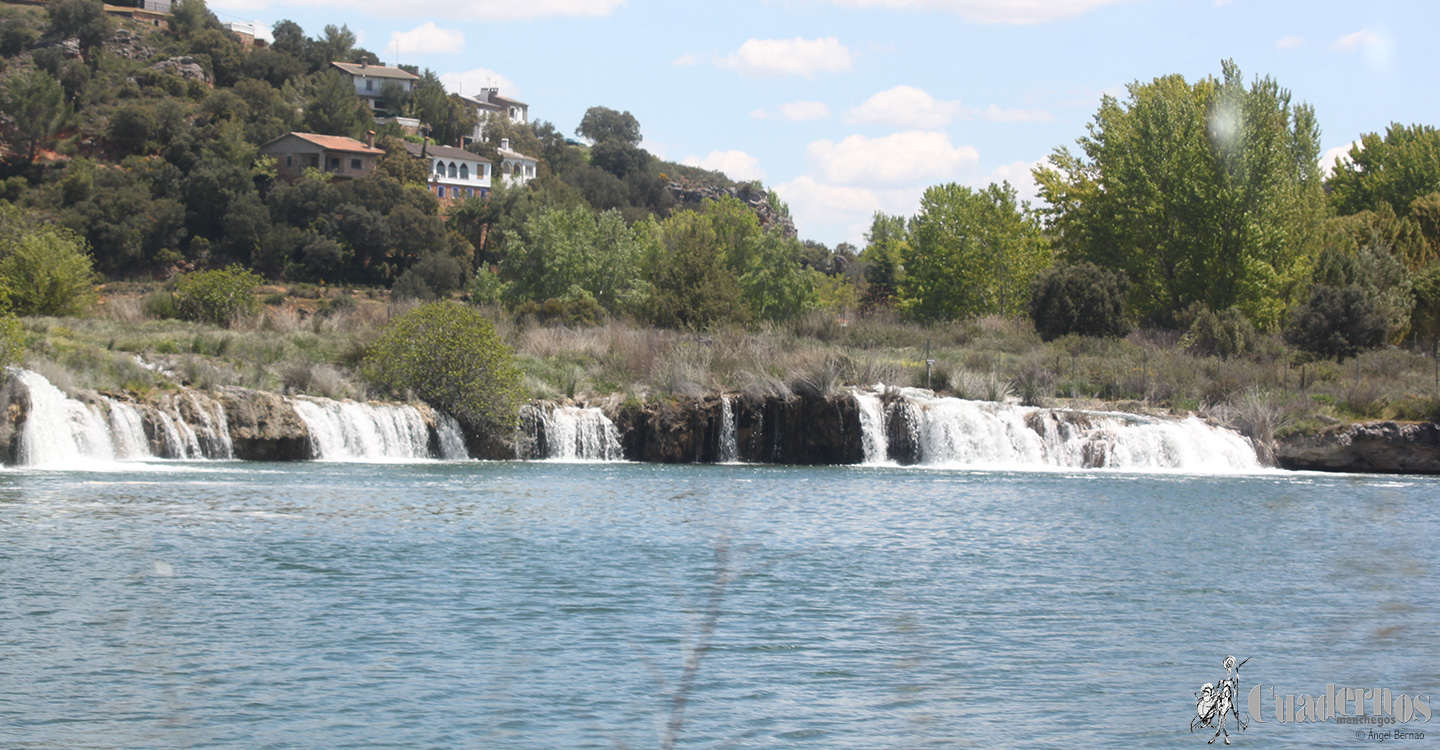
pixel 455 174
pixel 369 78
pixel 515 167
pixel 489 103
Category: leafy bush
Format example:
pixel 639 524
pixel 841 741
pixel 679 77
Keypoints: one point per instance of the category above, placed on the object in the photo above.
pixel 1083 298
pixel 1224 335
pixel 1336 323
pixel 48 273
pixel 222 296
pixel 449 356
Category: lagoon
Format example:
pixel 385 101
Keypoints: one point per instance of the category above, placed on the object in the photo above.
pixel 439 604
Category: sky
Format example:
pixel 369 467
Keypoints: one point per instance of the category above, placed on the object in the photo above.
pixel 846 107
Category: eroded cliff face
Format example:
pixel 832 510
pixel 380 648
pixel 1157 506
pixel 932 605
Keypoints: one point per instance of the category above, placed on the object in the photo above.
pixel 1373 447
pixel 770 429
pixel 265 426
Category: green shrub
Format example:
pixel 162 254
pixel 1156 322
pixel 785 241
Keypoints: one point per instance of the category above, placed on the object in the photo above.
pixel 222 296
pixel 449 356
pixel 1225 335
pixel 48 273
pixel 160 305
pixel 1084 299
pixel 1336 323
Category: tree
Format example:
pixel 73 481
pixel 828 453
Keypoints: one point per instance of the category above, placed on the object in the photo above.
pixel 1425 319
pixel 602 124
pixel 559 251
pixel 692 285
pixel 84 20
pixel 886 245
pixel 333 108
pixel 972 252
pixel 131 128
pixel 36 101
pixel 1336 323
pixel 1394 170
pixel 44 270
pixel 449 356
pixel 1083 299
pixel 1208 192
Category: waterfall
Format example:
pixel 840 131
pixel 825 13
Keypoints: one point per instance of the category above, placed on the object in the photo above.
pixel 569 433
pixel 729 447
pixel 951 432
pixel 127 427
pixel 872 426
pixel 452 440
pixel 351 431
pixel 59 430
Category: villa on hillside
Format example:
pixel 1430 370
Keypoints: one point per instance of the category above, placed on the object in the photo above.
pixel 489 103
pixel 343 158
pixel 454 173
pixel 370 78
pixel 515 167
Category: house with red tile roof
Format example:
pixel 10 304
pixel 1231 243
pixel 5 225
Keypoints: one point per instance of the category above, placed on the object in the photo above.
pixel 343 158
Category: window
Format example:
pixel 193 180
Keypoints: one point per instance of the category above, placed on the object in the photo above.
pixel 439 169
pixel 464 171
pixel 452 170
pixel 334 164
pixel 289 161
pixel 440 191
pixel 314 161
pixel 355 164
pixel 369 85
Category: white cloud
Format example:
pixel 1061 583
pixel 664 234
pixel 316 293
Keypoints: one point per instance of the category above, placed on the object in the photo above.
pixel 737 165
pixel 842 212
pixel 482 10
pixel 426 38
pixel 802 111
pixel 993 11
pixel 472 81
pixel 899 159
pixel 1377 48
pixel 686 60
pixel 788 57
pixel 1020 177
pixel 1289 42
pixel 1330 159
pixel 995 113
pixel 906 107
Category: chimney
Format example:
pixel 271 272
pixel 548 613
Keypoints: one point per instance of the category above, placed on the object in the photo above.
pixel 504 144
pixel 370 138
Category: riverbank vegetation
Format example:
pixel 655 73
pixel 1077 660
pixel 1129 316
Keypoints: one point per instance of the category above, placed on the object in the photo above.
pixel 1190 252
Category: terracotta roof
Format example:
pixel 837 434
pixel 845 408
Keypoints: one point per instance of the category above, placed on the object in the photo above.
pixel 443 152
pixel 376 71
pixel 332 143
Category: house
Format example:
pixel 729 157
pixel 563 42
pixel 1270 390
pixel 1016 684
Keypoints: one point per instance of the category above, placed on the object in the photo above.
pixel 370 78
pixel 455 174
pixel 243 30
pixel 489 103
pixel 344 158
pixel 515 167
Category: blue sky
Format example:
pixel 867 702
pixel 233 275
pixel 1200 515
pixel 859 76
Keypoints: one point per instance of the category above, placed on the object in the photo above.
pixel 849 106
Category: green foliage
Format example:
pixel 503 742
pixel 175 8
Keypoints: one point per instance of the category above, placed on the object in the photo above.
pixel 44 270
pixel 332 107
pixel 1225 335
pixel 1392 171
pixel 972 253
pixel 1425 318
pixel 36 102
pixel 604 124
pixel 220 296
pixel 1082 299
pixel 1336 323
pixel 131 128
pixel 83 19
pixel 558 250
pixel 1373 268
pixel 1208 192
pixel 886 245
pixel 449 356
pixel 447 115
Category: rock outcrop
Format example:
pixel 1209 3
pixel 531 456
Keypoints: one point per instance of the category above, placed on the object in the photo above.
pixel 772 429
pixel 1375 447
pixel 265 427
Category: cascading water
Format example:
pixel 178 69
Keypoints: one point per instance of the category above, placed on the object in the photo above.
pixel 58 429
pixel 729 446
pixel 351 431
pixel 952 432
pixel 872 426
pixel 452 440
pixel 569 433
pixel 127 427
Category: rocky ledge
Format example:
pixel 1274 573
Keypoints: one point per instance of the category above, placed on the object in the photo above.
pixel 1374 447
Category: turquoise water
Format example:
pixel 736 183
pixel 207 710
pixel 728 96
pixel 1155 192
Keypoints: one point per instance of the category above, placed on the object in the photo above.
pixel 543 605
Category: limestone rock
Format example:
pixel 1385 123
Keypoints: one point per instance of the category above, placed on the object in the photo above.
pixel 265 427
pixel 1374 447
